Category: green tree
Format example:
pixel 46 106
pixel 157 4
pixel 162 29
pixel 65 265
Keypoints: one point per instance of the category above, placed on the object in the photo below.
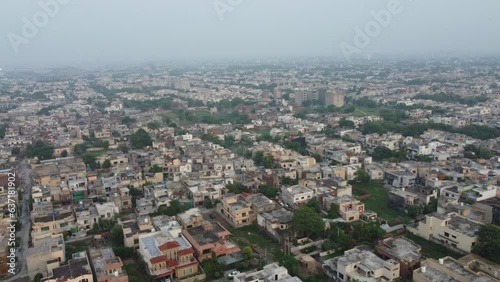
pixel 307 222
pixel 362 176
pixel 268 161
pixel 64 153
pixel 237 188
pixel 258 157
pixel 140 139
pixel 155 168
pixel 80 149
pixel 346 123
pixel 207 203
pixel 269 191
pixel 488 245
pixel 314 204
pixel 431 207
pixel 247 253
pixel 154 125
pixel 40 149
pixel 38 277
pixel 15 151
pixel 174 208
pixel 90 160
pixel 414 211
pixel 116 235
pixel 285 180
pixel 128 120
pixel 106 164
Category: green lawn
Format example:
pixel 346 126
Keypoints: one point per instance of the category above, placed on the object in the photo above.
pixel 251 234
pixel 135 274
pixel 362 111
pixel 379 202
pixel 431 249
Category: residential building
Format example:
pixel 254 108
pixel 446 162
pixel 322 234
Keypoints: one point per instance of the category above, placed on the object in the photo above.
pixel 236 210
pixel 270 273
pixel 190 218
pixel 361 264
pixel 168 257
pixel 77 270
pixel 208 238
pixel 450 269
pixel 349 208
pixel 107 266
pixel 402 250
pixel 452 230
pixel 45 255
pixel 296 195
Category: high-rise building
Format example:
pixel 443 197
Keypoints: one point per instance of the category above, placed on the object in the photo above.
pixel 306 95
pixel 333 98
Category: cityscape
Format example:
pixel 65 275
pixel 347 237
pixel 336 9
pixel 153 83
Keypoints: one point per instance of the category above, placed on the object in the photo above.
pixel 366 165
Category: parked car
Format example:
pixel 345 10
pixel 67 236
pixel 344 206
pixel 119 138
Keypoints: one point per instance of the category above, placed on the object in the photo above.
pixel 212 216
pixel 234 273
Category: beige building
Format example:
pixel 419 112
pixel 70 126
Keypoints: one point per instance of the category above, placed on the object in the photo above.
pixel 449 269
pixel 57 221
pixel 107 266
pixel 348 208
pixel 45 255
pixel 133 229
pixel 236 210
pixel 361 264
pixel 190 218
pixel 452 230
pixel 77 270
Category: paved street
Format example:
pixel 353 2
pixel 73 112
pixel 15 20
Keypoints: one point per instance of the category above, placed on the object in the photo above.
pixel 24 174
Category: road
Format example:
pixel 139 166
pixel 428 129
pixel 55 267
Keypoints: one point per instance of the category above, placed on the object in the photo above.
pixel 26 182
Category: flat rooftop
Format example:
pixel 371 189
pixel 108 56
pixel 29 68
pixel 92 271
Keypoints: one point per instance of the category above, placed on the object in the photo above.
pixel 75 268
pixel 204 237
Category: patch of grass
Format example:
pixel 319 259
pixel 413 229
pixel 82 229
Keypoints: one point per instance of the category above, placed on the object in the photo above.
pixel 251 234
pixel 379 202
pixel 362 111
pixel 134 273
pixel 431 249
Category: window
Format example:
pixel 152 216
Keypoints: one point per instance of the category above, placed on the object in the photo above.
pixel 341 276
pixel 446 234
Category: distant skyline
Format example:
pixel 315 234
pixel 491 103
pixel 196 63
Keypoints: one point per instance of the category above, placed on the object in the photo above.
pixel 132 31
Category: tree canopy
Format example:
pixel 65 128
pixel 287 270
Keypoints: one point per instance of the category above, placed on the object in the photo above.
pixel 40 149
pixel 306 221
pixel 488 245
pixel 140 139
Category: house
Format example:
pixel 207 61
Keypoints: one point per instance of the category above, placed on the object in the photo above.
pixel 134 228
pixel 190 218
pixel 275 222
pixel 270 273
pixel 46 254
pixel 348 208
pixel 236 210
pixel 208 238
pixel 361 264
pixel 452 230
pixel 402 250
pixel 77 270
pixel 167 256
pixel 450 269
pixel 400 199
pixel 296 195
pixel 107 266
pixel 400 178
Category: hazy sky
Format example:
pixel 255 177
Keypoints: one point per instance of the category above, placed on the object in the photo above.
pixel 97 31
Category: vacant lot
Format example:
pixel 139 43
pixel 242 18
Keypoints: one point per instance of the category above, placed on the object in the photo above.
pixel 431 249
pixel 379 202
